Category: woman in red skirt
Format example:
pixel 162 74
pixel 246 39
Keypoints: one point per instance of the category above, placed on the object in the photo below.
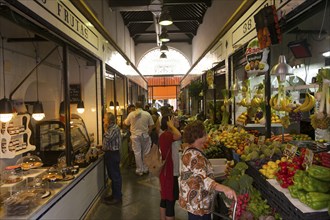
pixel 168 183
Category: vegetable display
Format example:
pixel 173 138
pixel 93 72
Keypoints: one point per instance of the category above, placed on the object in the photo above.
pixel 311 191
pixel 250 204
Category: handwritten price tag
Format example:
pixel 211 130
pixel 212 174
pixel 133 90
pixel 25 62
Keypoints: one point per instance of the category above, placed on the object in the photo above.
pixel 261 139
pixel 308 159
pixel 290 151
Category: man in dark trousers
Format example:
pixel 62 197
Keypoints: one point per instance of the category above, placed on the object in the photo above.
pixel 111 146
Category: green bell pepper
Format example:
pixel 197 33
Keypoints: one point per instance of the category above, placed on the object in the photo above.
pixel 298 179
pixel 302 198
pixel 317 200
pixel 318 205
pixel 319 172
pixel 295 192
pixel 311 184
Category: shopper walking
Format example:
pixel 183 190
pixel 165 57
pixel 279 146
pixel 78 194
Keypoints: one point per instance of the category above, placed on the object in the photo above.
pixel 140 123
pixel 168 182
pixel 111 146
pixel 197 184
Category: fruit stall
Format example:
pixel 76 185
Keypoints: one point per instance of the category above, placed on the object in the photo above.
pixel 283 177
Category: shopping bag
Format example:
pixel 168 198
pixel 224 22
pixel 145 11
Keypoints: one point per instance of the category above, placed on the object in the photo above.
pixel 154 160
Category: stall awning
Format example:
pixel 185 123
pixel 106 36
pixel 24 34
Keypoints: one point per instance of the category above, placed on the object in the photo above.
pixel 162 92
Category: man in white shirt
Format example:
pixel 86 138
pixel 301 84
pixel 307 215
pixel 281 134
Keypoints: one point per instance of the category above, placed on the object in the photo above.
pixel 141 123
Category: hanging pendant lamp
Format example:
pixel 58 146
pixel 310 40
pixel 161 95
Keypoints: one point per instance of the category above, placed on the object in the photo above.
pixel 163 48
pixel 80 104
pixel 163 37
pixel 111 105
pixel 38 110
pixel 80 107
pixel 163 56
pixel 6 108
pixel 165 18
pixel 282 69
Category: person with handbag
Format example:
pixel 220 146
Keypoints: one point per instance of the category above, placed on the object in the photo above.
pixel 197 184
pixel 168 183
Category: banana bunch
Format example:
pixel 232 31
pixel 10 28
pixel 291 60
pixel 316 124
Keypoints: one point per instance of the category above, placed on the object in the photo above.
pixel 242 118
pixel 256 101
pixel 307 105
pixel 281 104
pixel 244 102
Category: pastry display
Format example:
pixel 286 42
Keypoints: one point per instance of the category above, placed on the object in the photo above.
pixel 68 177
pixel 41 192
pixel 53 177
pixel 29 162
pixel 11 174
pixel 20 203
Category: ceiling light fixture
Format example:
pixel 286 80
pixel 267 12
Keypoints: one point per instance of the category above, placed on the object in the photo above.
pixel 80 104
pixel 6 108
pixel 282 69
pixel 38 110
pixel 80 107
pixel 326 54
pixel 165 18
pixel 163 48
pixel 111 105
pixel 163 56
pixel 163 37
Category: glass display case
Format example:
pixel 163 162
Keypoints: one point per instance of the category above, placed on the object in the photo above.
pixel 50 139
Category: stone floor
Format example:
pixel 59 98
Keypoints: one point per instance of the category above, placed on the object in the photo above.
pixel 141 199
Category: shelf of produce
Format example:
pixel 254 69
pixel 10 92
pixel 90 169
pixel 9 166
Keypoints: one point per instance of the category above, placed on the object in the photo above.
pixel 276 125
pixel 280 199
pixel 262 126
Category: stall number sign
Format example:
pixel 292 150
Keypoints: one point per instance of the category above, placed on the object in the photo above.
pixel 75 93
pixel 247 25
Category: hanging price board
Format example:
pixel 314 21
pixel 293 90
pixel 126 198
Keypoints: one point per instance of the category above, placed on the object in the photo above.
pixel 256 58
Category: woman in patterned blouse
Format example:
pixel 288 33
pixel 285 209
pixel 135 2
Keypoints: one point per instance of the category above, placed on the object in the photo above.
pixel 197 184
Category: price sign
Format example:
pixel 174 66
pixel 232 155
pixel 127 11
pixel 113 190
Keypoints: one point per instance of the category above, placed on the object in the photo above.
pixel 261 139
pixel 308 159
pixel 290 151
pixel 251 138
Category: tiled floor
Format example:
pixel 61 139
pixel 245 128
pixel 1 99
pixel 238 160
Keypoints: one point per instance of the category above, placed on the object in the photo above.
pixel 141 199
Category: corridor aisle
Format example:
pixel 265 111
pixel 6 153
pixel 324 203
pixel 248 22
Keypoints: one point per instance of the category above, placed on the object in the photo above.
pixel 141 199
